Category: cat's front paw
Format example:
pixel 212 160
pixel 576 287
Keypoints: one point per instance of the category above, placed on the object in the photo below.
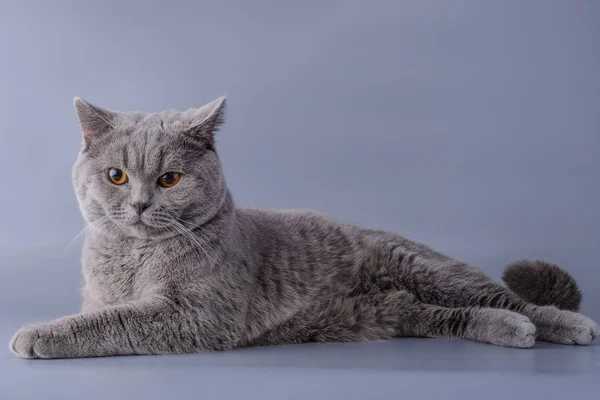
pixel 38 341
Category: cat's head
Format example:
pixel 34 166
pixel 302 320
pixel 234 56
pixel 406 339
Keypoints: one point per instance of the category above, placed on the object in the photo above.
pixel 141 175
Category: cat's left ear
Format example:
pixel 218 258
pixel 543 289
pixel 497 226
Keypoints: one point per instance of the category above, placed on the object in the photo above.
pixel 205 121
pixel 94 121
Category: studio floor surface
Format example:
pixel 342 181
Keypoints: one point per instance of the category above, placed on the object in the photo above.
pixel 403 368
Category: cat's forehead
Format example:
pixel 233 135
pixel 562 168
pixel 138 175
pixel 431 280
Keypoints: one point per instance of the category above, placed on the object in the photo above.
pixel 166 121
pixel 144 143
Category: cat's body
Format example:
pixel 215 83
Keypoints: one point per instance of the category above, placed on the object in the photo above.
pixel 181 269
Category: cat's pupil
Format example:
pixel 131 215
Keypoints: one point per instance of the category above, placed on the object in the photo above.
pixel 116 174
pixel 168 178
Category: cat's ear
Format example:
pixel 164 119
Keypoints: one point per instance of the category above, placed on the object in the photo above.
pixel 205 121
pixel 94 121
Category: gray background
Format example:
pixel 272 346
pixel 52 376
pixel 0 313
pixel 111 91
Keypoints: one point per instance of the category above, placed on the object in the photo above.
pixel 472 126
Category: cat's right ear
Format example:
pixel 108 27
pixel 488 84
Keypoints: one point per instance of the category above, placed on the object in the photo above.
pixel 94 121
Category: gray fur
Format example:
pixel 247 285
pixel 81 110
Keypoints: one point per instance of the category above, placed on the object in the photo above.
pixel 194 273
pixel 544 284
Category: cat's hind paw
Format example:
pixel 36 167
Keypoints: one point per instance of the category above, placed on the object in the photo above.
pixel 564 327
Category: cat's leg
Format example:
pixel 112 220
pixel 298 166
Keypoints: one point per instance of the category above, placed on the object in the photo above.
pixel 488 325
pixel 395 262
pixel 436 279
pixel 553 325
pixel 459 285
pixel 341 319
pixel 473 289
pixel 153 326
pixel 562 326
pixel 395 314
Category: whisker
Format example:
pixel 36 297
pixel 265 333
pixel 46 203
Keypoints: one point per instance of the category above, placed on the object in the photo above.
pixel 86 228
pixel 183 222
pixel 193 238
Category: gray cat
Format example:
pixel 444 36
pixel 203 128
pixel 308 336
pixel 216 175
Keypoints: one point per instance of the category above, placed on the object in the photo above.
pixel 172 266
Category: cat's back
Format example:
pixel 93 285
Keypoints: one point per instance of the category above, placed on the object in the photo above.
pixel 300 225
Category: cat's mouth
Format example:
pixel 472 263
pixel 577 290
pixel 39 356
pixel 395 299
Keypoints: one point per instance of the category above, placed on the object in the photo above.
pixel 142 229
pixel 139 222
pixel 147 225
pixel 144 226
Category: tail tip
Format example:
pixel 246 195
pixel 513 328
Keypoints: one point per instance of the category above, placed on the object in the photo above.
pixel 543 283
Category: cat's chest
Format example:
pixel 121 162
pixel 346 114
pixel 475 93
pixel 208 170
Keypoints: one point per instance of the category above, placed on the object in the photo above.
pixel 118 272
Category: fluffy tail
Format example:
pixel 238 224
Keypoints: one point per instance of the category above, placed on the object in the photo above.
pixel 543 284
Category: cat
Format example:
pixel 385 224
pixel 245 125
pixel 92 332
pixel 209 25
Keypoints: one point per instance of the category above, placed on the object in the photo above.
pixel 171 265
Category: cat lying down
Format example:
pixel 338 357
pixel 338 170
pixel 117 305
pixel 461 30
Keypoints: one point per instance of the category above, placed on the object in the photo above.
pixel 171 265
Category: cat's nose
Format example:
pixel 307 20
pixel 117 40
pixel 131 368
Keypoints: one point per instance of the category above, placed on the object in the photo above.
pixel 140 206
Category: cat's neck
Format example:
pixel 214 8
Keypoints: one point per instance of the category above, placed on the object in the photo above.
pixel 220 222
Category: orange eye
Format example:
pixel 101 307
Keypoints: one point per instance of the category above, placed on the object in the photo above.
pixel 169 179
pixel 116 176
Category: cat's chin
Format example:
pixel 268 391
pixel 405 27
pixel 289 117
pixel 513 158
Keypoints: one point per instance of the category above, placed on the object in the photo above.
pixel 142 230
